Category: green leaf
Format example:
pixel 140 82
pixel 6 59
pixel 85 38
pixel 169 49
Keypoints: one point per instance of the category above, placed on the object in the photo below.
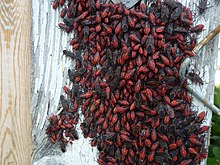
pixel 215 129
pixel 210 150
pixel 215 118
pixel 215 140
pixel 211 161
pixel 216 152
pixel 217 96
pixel 215 137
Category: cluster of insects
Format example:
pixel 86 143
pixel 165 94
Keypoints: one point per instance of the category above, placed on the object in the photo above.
pixel 126 83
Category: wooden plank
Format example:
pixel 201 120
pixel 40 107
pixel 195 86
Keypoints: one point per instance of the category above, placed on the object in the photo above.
pixel 15 118
pixel 50 72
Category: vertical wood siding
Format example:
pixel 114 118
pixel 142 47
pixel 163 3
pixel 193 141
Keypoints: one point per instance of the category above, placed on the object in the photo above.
pixel 15 118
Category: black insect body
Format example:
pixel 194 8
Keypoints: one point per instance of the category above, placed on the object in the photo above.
pixel 203 6
pixel 195 78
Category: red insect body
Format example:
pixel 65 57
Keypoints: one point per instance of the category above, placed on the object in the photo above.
pixel 98 4
pixel 192 151
pixel 67 91
pixel 95 105
pixel 172 146
pixel 200 116
pixel 134 37
pixel 151 156
pixel 86 95
pixel 55 4
pixel 137 87
pixel 163 137
pixel 147 132
pixel 147 143
pixel 185 162
pixel 125 138
pixel 151 63
pixel 63 12
pixel 107 28
pixel 152 18
pixel 203 129
pixel 165 60
pixel 195 141
pixel 155 146
pixel 127 82
pixel 153 135
pixel 108 90
pixel 197 28
pixel 143 153
pixel 149 94
pixel 118 29
pixel 166 119
pixel 143 7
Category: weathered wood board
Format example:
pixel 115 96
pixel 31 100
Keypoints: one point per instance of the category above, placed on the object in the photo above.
pixel 50 73
pixel 15 116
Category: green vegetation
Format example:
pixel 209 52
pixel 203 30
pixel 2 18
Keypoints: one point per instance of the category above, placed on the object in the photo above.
pixel 214 148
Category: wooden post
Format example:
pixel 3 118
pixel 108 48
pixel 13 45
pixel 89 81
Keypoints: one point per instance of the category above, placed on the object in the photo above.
pixel 50 72
pixel 15 118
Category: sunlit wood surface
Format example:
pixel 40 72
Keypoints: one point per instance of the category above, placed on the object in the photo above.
pixel 15 118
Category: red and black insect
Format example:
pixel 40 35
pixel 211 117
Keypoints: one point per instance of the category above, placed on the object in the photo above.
pixel 126 84
pixel 195 77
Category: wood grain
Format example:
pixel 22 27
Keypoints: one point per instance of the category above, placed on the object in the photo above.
pixel 15 118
